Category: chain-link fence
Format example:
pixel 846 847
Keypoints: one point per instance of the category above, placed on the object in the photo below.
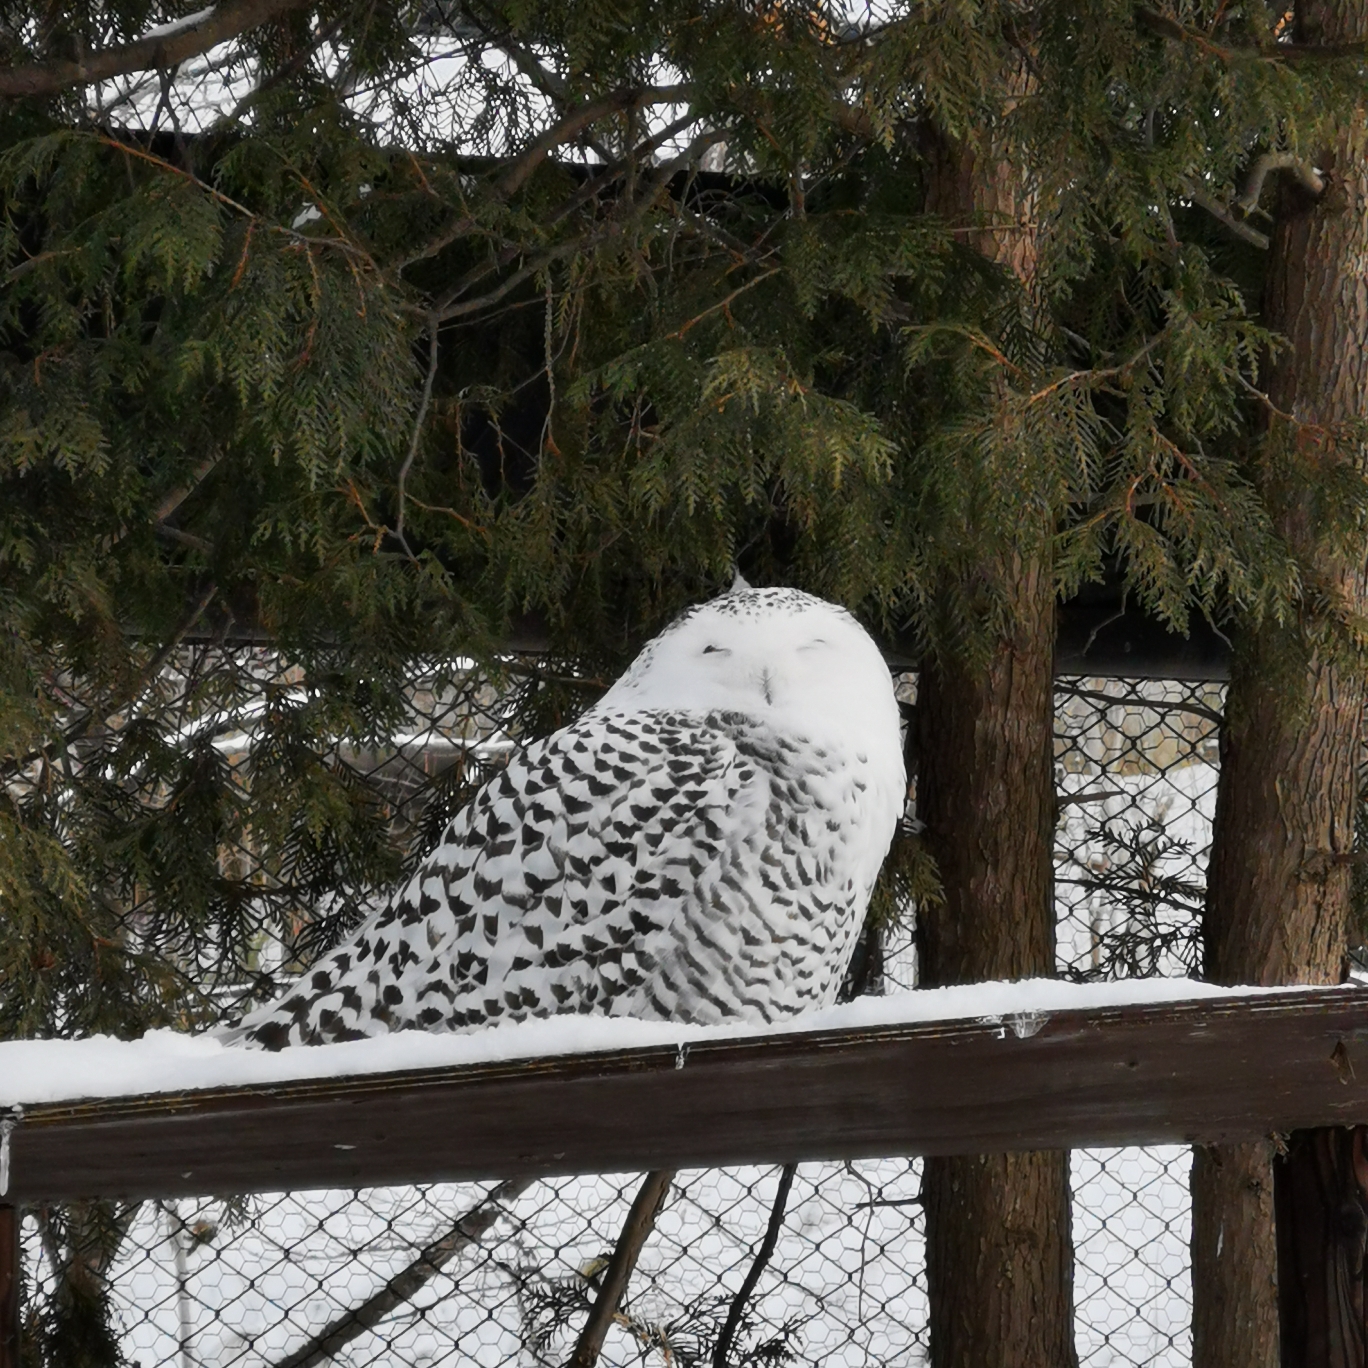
pixel 381 1276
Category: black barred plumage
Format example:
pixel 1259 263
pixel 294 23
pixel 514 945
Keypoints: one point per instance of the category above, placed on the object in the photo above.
pixel 700 846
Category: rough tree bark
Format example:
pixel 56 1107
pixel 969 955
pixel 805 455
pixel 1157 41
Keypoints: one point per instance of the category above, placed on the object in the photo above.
pixel 999 1253
pixel 11 1311
pixel 1278 897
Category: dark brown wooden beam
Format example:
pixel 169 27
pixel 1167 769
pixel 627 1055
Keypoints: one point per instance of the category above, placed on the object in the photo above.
pixel 1214 1070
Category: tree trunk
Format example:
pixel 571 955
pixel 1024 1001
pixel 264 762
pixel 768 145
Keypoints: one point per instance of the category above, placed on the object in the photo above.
pixel 1234 1265
pixel 998 1247
pixel 1279 882
pixel 999 1253
pixel 1322 1207
pixel 11 1307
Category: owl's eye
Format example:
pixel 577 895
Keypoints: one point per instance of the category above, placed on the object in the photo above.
pixel 719 650
pixel 814 643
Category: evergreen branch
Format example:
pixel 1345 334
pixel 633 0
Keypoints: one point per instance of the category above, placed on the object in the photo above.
pixel 344 236
pixel 575 122
pixel 189 539
pixel 450 305
pixel 167 49
pixel 589 190
pixel 706 228
pixel 401 1288
pixel 762 1257
pixel 546 81
pixel 640 1220
pixel 1165 26
pixel 1097 374
pixel 33 262
pixel 146 675
pixel 280 74
pixel 306 239
pixel 974 337
pixel 524 670
pixel 619 168
pixel 468 523
pixel 1256 393
pixel 722 303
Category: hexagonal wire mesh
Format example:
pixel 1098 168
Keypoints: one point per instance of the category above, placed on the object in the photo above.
pixel 300 1279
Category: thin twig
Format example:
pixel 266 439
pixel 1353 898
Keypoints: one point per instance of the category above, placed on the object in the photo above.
pixel 1157 704
pixel 762 1257
pixel 722 303
pixel 1097 373
pixel 640 1220
pixel 280 74
pixel 420 418
pixel 1098 796
pixel 575 122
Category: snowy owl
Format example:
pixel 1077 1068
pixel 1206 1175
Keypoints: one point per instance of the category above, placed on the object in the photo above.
pixel 699 846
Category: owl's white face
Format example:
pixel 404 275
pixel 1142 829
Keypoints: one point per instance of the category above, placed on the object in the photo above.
pixel 794 659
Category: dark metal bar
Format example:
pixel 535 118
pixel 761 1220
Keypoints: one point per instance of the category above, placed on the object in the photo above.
pixel 1218 1069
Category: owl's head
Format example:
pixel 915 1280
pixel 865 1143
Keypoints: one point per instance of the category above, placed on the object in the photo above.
pixel 781 654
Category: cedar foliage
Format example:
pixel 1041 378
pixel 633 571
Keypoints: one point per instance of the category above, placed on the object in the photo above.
pixel 391 329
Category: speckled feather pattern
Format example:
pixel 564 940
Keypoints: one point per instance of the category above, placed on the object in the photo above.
pixel 663 862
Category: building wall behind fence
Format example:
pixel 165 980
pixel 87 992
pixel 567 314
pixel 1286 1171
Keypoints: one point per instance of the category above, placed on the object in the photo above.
pixel 253 1281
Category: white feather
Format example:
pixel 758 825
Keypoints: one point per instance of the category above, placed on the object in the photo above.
pixel 700 845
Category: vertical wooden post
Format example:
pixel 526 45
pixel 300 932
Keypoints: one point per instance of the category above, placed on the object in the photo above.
pixel 10 1309
pixel 1320 1190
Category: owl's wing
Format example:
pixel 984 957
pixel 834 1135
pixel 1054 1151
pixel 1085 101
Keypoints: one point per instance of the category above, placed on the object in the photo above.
pixel 661 865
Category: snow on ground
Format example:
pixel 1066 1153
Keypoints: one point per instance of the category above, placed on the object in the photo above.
pixel 38 1071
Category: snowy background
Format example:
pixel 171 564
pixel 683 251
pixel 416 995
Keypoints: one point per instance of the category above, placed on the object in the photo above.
pixel 252 1281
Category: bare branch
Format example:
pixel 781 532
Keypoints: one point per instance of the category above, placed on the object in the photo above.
pixel 281 73
pixel 469 1230
pixel 1221 214
pixel 1166 26
pixel 638 1226
pixel 1304 173
pixel 178 496
pixel 450 306
pixel 548 82
pixel 168 48
pixel 762 1257
pixel 516 175
pixel 575 122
